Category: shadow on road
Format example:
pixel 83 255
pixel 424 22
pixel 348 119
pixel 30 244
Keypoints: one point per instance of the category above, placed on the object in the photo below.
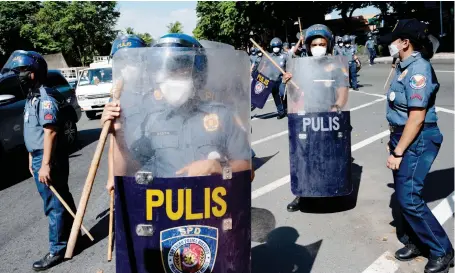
pixel 281 254
pixel 99 231
pixel 438 185
pixel 260 161
pixel 262 223
pixel 266 116
pixel 335 204
pixel 87 137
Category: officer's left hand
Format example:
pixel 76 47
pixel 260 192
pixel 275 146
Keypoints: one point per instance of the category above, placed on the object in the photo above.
pixel 393 163
pixel 201 168
pixel 286 77
pixel 44 174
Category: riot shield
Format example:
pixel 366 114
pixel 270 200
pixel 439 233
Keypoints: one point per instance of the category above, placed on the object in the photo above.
pixel 182 161
pixel 263 80
pixel 319 127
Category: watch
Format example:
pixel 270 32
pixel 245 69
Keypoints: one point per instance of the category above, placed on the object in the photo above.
pixel 337 107
pixel 395 155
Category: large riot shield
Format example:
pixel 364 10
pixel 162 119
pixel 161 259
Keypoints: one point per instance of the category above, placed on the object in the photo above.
pixel 263 80
pixel 182 161
pixel 319 127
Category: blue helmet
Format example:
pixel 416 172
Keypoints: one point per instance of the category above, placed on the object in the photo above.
pixel 346 39
pixel 21 60
pixel 127 41
pixel 319 31
pixel 253 50
pixel 175 44
pixel 276 42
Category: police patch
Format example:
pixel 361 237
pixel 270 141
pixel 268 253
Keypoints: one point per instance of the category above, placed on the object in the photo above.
pixel 48 117
pixel 259 87
pixel 403 75
pixel 157 94
pixel 329 68
pixel 189 249
pixel 211 122
pixel 46 104
pixel 418 81
pixel 209 95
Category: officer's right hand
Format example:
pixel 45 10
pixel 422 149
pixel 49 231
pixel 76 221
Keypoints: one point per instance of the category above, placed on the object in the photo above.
pixel 394 65
pixel 110 185
pixel 111 111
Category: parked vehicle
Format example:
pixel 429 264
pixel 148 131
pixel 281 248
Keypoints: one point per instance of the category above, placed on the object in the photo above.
pixel 12 101
pixel 94 86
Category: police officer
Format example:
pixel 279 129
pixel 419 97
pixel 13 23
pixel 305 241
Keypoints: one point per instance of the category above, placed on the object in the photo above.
pixel 338 48
pixel 415 141
pixel 167 155
pixel 350 52
pixel 319 43
pixel 255 58
pixel 370 45
pixel 47 147
pixel 300 49
pixel 275 75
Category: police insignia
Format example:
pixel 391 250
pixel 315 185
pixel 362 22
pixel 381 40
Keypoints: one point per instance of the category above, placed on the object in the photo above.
pixel 418 81
pixel 258 88
pixel 329 68
pixel 48 117
pixel 46 105
pixel 403 75
pixel 208 95
pixel 157 94
pixel 189 249
pixel 211 122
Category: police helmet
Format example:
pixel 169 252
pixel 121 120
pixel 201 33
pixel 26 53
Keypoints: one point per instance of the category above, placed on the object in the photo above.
pixel 175 59
pixel 276 42
pixel 21 60
pixel 339 40
pixel 318 31
pixel 127 41
pixel 346 39
pixel 253 50
pixel 286 45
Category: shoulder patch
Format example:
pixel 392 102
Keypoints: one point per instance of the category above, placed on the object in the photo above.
pixel 418 81
pixel 46 104
pixel 211 122
pixel 48 117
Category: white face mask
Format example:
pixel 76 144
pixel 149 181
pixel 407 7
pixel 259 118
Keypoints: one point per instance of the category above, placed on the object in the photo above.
pixel 177 92
pixel 348 45
pixel 318 51
pixel 260 54
pixel 394 51
pixel 276 49
pixel 340 44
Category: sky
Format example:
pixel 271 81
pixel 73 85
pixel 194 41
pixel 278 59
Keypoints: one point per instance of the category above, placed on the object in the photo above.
pixel 153 17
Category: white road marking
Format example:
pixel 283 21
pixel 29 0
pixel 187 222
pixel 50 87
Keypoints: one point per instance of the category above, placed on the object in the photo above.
pixel 444 210
pixel 366 104
pixel 384 264
pixel 284 180
pixel 269 138
pixel 445 110
pixel 444 71
pixel 366 93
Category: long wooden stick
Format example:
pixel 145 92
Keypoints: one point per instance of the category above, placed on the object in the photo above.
pixel 111 226
pixel 388 78
pixel 90 178
pixel 59 197
pixel 300 26
pixel 271 60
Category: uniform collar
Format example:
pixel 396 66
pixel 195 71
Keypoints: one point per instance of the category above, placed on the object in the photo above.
pixel 414 56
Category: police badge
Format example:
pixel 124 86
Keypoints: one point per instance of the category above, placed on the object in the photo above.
pixel 259 87
pixel 189 249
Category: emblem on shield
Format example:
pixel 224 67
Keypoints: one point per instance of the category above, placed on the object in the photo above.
pixel 189 249
pixel 258 88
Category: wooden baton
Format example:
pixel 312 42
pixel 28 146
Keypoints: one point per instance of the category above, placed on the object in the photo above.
pixel 273 62
pixel 90 178
pixel 300 27
pixel 59 197
pixel 111 225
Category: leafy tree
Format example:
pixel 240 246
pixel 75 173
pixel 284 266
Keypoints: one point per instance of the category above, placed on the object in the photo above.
pixel 176 27
pixel 144 36
pixel 80 30
pixel 12 16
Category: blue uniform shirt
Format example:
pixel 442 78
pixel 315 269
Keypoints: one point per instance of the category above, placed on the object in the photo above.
pixel 369 44
pixel 269 70
pixel 349 52
pixel 169 140
pixel 414 85
pixel 39 111
pixel 337 50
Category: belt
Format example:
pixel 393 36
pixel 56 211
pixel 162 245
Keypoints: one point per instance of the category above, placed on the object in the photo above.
pixel 400 128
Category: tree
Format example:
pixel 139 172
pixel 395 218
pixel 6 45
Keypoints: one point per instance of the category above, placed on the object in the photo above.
pixel 12 16
pixel 176 27
pixel 80 30
pixel 144 36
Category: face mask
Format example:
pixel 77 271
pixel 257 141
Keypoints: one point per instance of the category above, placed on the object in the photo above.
pixel 276 49
pixel 348 45
pixel 260 54
pixel 177 92
pixel 318 51
pixel 340 44
pixel 394 51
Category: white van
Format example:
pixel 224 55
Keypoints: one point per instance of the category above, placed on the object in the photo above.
pixel 94 86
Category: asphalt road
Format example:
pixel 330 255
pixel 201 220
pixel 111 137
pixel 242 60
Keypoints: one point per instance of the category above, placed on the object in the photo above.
pixel 354 235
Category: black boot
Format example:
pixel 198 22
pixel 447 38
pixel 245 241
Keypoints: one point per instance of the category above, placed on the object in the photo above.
pixel 294 205
pixel 47 262
pixel 407 253
pixel 282 115
pixel 440 264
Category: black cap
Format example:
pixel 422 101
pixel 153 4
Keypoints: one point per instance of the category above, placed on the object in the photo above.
pixel 411 29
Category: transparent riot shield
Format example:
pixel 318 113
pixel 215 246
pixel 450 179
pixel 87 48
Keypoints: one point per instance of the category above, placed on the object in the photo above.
pixel 319 127
pixel 182 161
pixel 263 80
